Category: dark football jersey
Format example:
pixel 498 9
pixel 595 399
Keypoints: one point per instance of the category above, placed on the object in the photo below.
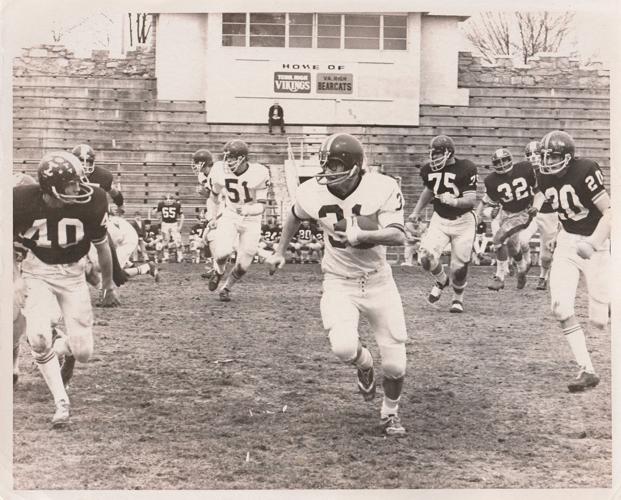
pixel 101 177
pixel 171 210
pixel 305 234
pixel 58 235
pixel 457 179
pixel 574 193
pixel 513 190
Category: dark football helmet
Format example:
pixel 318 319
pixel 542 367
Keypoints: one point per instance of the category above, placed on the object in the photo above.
pixel 441 149
pixel 532 152
pixel 57 171
pixel 557 149
pixel 502 161
pixel 86 155
pixel 340 149
pixel 235 154
pixel 202 161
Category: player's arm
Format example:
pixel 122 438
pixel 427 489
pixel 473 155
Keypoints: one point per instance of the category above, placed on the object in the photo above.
pixel 601 233
pixel 289 229
pixel 258 206
pixel 468 200
pixel 181 218
pixel 425 197
pixel 390 218
pixel 117 197
pixel 486 201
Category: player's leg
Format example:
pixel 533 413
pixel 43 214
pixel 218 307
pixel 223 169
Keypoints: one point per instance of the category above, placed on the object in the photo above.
pixel 432 244
pixel 515 251
pixel 39 308
pixel 526 235
pixel 596 272
pixel 548 225
pixel 224 237
pixel 564 277
pixel 247 248
pixel 462 240
pixel 340 316
pixel 176 235
pixel 383 308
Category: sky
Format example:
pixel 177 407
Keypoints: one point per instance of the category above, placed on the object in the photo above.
pixel 96 25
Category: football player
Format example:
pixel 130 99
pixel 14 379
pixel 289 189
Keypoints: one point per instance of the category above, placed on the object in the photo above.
pixel 243 186
pixel 98 175
pixel 356 280
pixel 19 288
pixel 172 223
pixel 202 163
pixel 575 188
pixel 546 222
pixel 451 184
pixel 125 239
pixel 511 186
pixel 57 220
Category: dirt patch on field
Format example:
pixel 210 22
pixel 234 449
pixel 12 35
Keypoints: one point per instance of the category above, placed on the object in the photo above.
pixel 186 392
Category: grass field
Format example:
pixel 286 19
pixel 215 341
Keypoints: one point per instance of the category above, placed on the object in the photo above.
pixel 186 392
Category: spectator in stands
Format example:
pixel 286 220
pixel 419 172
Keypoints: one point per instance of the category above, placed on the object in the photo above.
pixel 276 116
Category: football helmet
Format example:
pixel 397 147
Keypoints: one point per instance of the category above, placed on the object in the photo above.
pixel 169 198
pixel 339 150
pixel 86 155
pixel 441 149
pixel 532 152
pixel 235 154
pixel 502 161
pixel 202 161
pixel 57 171
pixel 557 149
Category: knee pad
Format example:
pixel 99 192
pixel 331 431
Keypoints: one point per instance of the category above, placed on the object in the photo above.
pixel 561 311
pixel 238 271
pixel 598 313
pixel 393 360
pixel 426 260
pixel 546 262
pixel 460 274
pixel 344 342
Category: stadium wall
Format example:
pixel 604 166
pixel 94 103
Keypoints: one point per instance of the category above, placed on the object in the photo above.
pixel 544 70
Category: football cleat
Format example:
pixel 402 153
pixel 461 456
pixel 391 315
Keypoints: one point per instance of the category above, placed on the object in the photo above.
pixel 457 306
pixel 225 295
pixel 62 414
pixel 436 291
pixel 154 271
pixel 366 383
pixel 496 283
pixel 214 280
pixel 583 381
pixel 542 284
pixel 521 280
pixel 66 369
pixel 392 425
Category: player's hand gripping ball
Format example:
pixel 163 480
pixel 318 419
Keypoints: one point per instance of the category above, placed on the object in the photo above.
pixel 349 229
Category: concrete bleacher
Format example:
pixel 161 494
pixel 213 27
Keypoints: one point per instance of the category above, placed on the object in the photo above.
pixel 148 143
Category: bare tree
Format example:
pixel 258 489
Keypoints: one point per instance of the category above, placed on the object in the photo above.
pixel 143 27
pixel 520 33
pixel 489 33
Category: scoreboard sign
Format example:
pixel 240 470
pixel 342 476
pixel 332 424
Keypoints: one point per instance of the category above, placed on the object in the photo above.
pixel 335 83
pixel 292 83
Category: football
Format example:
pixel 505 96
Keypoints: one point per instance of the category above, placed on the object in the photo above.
pixel 364 222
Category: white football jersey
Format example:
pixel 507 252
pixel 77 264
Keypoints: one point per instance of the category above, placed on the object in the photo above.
pixel 119 230
pixel 242 189
pixel 203 180
pixel 377 196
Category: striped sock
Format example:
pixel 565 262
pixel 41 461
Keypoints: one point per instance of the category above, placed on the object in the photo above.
pixel 50 369
pixel 577 342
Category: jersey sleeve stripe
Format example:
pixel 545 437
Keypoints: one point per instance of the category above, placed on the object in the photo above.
pixel 101 240
pixel 397 226
pixel 598 196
